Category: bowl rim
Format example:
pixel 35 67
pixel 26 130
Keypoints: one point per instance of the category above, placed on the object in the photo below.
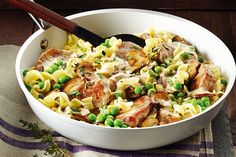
pixel 100 11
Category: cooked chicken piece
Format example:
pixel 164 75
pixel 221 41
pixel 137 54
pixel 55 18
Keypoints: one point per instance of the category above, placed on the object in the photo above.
pixel 193 67
pixel 166 117
pixel 138 112
pixel 112 85
pixel 136 59
pixel 177 38
pixel 161 98
pixel 165 52
pixel 50 55
pixel 203 83
pixel 130 93
pixel 75 84
pixel 126 47
pixel 86 70
pixel 150 122
pixel 100 98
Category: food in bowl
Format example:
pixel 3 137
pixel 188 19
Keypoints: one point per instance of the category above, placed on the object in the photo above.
pixel 120 84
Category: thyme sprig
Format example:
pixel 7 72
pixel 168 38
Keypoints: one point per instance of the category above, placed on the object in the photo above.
pixel 45 136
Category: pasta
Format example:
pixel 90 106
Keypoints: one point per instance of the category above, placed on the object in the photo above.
pixel 120 84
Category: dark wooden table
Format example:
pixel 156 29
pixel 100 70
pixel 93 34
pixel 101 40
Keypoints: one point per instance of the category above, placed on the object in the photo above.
pixel 217 16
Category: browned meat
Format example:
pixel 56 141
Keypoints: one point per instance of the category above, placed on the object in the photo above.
pixel 193 67
pixel 50 55
pixel 179 39
pixel 77 84
pixel 86 70
pixel 165 52
pixel 166 117
pixel 139 111
pixel 150 122
pixel 203 83
pixel 112 85
pixel 136 59
pixel 126 47
pixel 130 93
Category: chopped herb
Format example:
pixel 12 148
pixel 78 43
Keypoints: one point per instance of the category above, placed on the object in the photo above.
pixel 82 56
pixel 200 59
pixel 28 87
pixel 166 47
pixel 82 70
pixel 155 49
pixel 74 93
pixel 99 75
pixel 98 61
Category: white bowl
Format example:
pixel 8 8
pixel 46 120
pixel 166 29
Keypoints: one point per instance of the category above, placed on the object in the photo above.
pixel 113 21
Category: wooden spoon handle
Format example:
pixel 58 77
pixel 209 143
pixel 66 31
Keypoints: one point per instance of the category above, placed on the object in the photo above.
pixel 57 20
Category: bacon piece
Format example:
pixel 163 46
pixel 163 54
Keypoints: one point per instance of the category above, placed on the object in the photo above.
pixel 50 55
pixel 203 83
pixel 139 111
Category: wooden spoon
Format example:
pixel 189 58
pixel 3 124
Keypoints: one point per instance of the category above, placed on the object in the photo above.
pixel 67 25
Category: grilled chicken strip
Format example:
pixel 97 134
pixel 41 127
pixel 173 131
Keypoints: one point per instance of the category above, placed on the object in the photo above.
pixel 203 83
pixel 139 111
pixel 50 55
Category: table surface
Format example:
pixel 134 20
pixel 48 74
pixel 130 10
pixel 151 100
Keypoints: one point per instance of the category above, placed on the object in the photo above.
pixel 217 16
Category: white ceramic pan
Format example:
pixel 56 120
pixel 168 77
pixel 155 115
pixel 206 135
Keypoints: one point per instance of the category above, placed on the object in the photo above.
pixel 113 21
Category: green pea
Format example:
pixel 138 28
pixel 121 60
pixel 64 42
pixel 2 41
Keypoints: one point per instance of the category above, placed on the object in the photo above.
pixel 180 95
pixel 114 110
pixel 101 117
pixel 203 108
pixel 59 63
pixel 151 91
pixel 25 71
pixel 52 68
pixel 110 116
pixel 63 79
pixel 28 87
pixel 207 103
pixel 124 126
pixel 177 85
pixel 193 101
pixel 148 85
pixel 205 98
pixel 185 55
pixel 118 122
pixel 138 90
pixel 200 59
pixel 109 122
pixel 158 69
pixel 200 103
pixel 118 94
pixel 92 117
pixel 56 86
pixel 223 82
pixel 171 96
pixel 41 84
pixel 152 73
